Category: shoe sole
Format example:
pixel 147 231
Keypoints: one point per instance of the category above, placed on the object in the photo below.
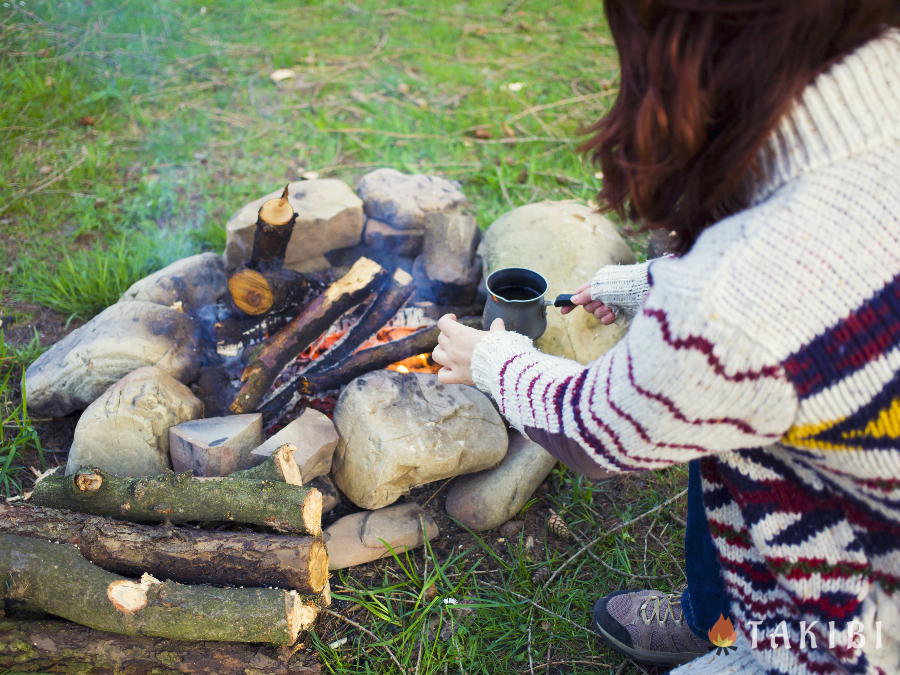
pixel 643 655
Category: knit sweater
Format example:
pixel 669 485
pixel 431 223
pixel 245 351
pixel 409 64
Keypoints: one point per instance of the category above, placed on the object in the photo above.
pixel 771 351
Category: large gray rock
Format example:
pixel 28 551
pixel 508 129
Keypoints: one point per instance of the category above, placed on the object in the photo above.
pixel 449 249
pixel 329 217
pixel 195 281
pixel 392 239
pixel 487 499
pixel 126 430
pixel 362 537
pixel 401 430
pixel 124 337
pixel 567 243
pixel 402 200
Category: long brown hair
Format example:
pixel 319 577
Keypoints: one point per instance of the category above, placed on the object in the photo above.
pixel 703 84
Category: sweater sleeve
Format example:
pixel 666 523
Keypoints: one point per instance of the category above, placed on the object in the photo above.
pixel 681 384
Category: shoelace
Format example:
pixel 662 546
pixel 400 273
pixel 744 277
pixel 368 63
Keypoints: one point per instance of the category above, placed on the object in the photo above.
pixel 673 598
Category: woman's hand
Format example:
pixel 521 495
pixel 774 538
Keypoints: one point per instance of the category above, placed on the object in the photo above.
pixel 456 343
pixel 583 297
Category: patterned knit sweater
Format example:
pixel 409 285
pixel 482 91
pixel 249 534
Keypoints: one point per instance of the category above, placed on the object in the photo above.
pixel 772 352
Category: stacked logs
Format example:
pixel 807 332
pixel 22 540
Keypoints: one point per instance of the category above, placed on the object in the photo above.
pixel 65 554
pixel 264 291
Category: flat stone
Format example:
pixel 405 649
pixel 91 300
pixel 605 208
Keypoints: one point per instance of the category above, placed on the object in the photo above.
pixel 385 237
pixel 330 495
pixel 126 430
pixel 488 499
pixel 329 217
pixel 317 264
pixel 315 438
pixel 451 238
pixel 402 200
pixel 195 281
pixel 566 242
pixel 400 430
pixel 217 446
pixel 75 371
pixel 357 539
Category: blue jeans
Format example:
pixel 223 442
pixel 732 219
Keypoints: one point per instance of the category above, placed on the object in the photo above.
pixel 704 600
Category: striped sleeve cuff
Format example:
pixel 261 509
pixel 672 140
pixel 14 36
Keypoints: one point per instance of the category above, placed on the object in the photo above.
pixel 495 349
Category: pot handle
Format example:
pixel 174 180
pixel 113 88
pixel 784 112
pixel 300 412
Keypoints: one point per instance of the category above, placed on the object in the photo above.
pixel 564 300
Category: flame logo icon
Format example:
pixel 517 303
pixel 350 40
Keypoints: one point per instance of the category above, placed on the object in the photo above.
pixel 723 635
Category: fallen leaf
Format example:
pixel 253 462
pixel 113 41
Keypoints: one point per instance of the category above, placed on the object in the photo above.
pixel 422 103
pixel 515 86
pixel 403 88
pixel 310 175
pixel 86 121
pixel 483 133
pixel 310 59
pixel 281 74
pixel 45 169
pixel 358 96
pixel 508 130
pixel 481 31
pixel 523 177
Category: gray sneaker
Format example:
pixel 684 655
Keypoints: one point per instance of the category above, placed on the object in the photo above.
pixel 648 627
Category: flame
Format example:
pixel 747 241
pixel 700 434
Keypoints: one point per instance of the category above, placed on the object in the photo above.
pixel 723 633
pixel 424 358
pixel 402 369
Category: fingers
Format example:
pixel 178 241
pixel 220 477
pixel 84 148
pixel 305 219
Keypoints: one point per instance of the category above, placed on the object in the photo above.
pixel 440 356
pixel 605 315
pixel 447 323
pixel 447 376
pixel 496 326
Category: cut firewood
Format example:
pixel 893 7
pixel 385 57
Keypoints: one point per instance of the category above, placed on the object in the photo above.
pixel 216 446
pixel 57 579
pixel 360 363
pixel 185 555
pixel 273 232
pixel 363 278
pixel 65 648
pixel 180 497
pixel 280 465
pixel 314 438
pixel 383 309
pixel 268 290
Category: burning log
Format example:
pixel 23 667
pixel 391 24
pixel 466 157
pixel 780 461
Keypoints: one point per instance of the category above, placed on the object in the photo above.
pixel 360 363
pixel 180 554
pixel 273 232
pixel 383 309
pixel 180 497
pixel 270 290
pixel 58 580
pixel 363 278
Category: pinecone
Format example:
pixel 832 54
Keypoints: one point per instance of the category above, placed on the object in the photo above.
pixel 541 574
pixel 558 526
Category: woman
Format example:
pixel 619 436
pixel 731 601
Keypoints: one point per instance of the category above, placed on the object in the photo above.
pixel 766 135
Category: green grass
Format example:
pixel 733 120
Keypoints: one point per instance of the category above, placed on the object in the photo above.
pixel 17 435
pixel 515 625
pixel 130 131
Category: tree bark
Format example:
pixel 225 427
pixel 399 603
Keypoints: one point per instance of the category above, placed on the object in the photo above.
pixel 57 579
pixel 280 465
pixel 274 226
pixel 257 292
pixel 64 648
pixel 180 497
pixel 233 334
pixel 383 309
pixel 180 554
pixel 360 363
pixel 363 278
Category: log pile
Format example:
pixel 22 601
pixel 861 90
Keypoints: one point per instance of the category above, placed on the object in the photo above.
pixel 84 551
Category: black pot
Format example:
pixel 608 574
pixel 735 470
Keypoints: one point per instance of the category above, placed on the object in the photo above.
pixel 516 295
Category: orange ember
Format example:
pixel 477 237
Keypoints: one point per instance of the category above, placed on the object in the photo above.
pixel 389 334
pixel 723 633
pixel 420 363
